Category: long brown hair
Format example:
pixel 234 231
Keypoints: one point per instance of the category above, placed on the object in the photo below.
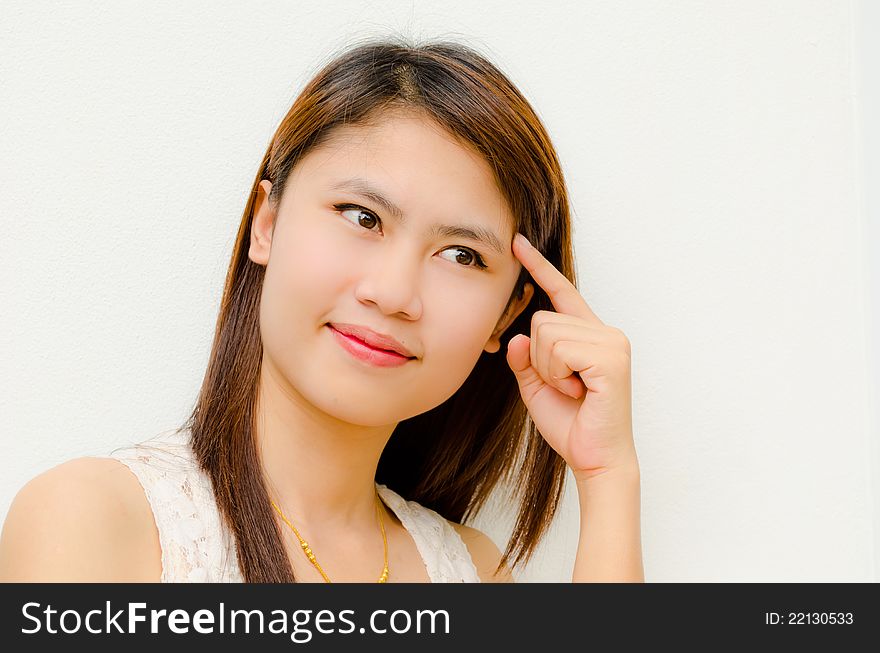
pixel 450 458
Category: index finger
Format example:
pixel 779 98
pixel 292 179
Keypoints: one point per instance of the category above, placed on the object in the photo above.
pixel 562 292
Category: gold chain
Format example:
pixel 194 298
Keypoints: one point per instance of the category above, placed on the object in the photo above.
pixel 311 556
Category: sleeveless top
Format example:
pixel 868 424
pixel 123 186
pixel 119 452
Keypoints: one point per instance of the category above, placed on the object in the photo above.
pixel 198 547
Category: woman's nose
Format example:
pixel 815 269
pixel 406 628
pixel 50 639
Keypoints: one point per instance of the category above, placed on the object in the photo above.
pixel 391 282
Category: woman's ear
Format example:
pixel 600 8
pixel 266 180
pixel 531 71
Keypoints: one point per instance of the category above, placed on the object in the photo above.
pixel 262 225
pixel 516 307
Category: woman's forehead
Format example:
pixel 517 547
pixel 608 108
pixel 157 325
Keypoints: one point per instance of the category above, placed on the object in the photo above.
pixel 412 134
pixel 407 162
pixel 404 152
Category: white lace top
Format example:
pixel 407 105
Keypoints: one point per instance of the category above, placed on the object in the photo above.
pixel 198 547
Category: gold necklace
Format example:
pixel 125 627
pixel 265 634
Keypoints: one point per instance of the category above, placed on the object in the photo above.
pixel 311 556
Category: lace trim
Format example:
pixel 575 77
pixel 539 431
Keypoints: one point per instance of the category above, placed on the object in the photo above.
pixel 450 562
pixel 197 547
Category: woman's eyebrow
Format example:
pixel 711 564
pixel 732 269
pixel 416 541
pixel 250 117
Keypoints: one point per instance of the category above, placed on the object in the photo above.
pixel 362 187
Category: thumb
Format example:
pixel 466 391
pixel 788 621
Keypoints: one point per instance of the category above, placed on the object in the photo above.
pixel 519 361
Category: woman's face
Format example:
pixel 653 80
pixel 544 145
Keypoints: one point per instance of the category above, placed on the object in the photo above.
pixel 408 276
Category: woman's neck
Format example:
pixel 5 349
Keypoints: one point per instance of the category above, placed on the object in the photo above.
pixel 319 470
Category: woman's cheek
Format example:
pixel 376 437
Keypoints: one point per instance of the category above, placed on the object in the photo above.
pixel 313 263
pixel 461 331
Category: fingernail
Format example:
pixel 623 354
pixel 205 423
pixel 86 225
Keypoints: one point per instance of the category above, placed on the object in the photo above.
pixel 523 240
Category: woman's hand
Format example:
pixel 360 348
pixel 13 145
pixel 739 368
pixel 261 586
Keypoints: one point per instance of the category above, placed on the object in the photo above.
pixel 574 375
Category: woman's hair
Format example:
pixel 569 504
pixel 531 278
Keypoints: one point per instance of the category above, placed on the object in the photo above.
pixel 450 458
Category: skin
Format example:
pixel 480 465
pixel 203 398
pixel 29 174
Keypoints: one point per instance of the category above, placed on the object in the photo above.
pixel 323 417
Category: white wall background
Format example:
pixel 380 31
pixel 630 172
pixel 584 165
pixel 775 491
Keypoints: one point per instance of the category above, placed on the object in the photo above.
pixel 722 199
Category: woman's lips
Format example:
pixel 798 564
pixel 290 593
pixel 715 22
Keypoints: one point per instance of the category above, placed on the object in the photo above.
pixel 364 352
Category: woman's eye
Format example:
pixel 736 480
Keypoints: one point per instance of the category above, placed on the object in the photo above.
pixel 348 208
pixel 471 257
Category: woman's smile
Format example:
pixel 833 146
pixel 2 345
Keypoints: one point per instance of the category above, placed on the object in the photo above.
pixel 367 354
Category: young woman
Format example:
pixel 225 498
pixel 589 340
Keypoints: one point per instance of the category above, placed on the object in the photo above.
pixel 388 350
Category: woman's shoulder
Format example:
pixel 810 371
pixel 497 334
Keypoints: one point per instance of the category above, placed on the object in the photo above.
pixel 460 542
pixel 485 554
pixel 85 520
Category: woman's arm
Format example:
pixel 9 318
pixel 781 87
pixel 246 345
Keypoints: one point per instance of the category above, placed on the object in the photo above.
pixel 85 520
pixel 609 548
